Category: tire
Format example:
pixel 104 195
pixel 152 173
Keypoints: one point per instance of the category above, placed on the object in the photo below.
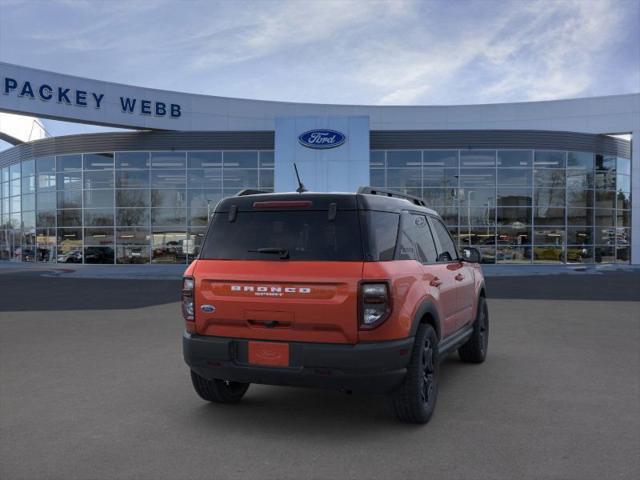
pixel 475 349
pixel 415 400
pixel 218 391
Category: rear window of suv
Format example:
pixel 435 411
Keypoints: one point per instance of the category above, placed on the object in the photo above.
pixel 292 234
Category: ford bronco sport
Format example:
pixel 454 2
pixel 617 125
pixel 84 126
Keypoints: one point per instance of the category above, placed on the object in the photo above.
pixel 358 292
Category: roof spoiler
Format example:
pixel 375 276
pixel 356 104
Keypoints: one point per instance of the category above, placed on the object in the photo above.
pixel 390 193
pixel 249 191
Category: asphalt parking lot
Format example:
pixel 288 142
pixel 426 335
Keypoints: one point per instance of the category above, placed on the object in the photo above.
pixel 93 386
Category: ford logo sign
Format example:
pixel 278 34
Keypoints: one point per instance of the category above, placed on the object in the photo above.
pixel 208 308
pixel 322 138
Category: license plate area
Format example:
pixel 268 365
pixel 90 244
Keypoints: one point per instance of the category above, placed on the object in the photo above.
pixel 270 354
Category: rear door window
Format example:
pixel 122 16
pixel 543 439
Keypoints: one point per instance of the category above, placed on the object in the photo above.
pixel 446 247
pixel 268 235
pixel 382 233
pixel 416 242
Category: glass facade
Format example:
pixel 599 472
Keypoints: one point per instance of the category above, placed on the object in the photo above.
pixel 520 206
pixel 120 207
pixel 515 206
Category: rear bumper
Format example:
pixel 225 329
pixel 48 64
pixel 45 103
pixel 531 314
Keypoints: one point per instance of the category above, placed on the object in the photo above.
pixel 369 367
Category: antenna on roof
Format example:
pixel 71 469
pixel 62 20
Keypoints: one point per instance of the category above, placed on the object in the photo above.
pixel 300 188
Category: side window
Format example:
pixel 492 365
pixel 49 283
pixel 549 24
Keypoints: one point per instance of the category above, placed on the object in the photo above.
pixel 424 241
pixel 382 234
pixel 416 242
pixel 446 248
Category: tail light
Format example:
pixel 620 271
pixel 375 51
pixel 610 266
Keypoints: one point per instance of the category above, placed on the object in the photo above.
pixel 188 284
pixel 375 304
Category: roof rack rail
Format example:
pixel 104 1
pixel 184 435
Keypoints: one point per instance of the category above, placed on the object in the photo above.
pixel 390 193
pixel 249 191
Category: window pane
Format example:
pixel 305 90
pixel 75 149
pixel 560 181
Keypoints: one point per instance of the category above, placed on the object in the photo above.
pixel 168 198
pixel 205 178
pixel 548 254
pixel 207 199
pixel 517 197
pixel 204 159
pixel 477 177
pixel 98 217
pixel 240 178
pixel 435 197
pixel 549 178
pixel 583 160
pixel 514 176
pixel 514 158
pixel 70 180
pixel 447 251
pixel 577 197
pixel 580 254
pixel 132 254
pixel 440 159
pixel 376 159
pixel 168 178
pixel 132 178
pixel 98 236
pixel 46 219
pixel 478 197
pixel 46 200
pixel 404 158
pixel 44 165
pixel 606 163
pixel 605 217
pixel 46 181
pixel 513 254
pixel 580 236
pixel 240 159
pixel 549 236
pixel 514 216
pixel 28 184
pixel 404 177
pixel 132 160
pixel 98 199
pixel 549 197
pixel 474 235
pixel 605 254
pixel 98 179
pixel 98 161
pixel 266 179
pixel 14 187
pixel 70 218
pixel 133 236
pixel 605 199
pixel 440 177
pixel 623 254
pixel 383 232
pixel 478 216
pixel 623 183
pixel 28 168
pixel 477 158
pixel 168 217
pixel 132 216
pixel 168 160
pixel 623 166
pixel 29 202
pixel 624 218
pixel 267 159
pixel 579 178
pixel 549 159
pixel 548 216
pixel 579 216
pixel 98 254
pixel 516 235
pixel 70 199
pixel 132 198
pixel 605 235
pixel 69 162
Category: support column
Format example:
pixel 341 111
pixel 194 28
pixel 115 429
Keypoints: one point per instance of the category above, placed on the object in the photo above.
pixel 635 197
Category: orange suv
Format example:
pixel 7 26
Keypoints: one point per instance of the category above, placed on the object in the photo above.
pixel 357 292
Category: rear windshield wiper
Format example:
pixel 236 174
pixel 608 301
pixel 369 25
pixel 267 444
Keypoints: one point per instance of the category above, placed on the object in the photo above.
pixel 283 252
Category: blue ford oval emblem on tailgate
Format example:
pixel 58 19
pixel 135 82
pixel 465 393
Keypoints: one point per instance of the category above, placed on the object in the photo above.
pixel 208 308
pixel 322 138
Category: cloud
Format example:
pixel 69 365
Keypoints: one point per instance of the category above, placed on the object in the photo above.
pixel 337 51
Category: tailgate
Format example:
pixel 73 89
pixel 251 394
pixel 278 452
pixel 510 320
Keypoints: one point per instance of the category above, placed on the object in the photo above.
pixel 299 301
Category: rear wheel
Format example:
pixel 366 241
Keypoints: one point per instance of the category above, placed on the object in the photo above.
pixel 475 349
pixel 415 400
pixel 218 391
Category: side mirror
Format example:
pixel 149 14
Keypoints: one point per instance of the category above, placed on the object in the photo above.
pixel 471 255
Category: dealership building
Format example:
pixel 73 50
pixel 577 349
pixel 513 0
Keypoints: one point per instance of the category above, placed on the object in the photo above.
pixel 538 182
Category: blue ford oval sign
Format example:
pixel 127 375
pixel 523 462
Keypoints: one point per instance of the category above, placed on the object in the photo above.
pixel 322 138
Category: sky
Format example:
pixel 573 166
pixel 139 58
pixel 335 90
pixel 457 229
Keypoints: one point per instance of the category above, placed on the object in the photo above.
pixel 395 52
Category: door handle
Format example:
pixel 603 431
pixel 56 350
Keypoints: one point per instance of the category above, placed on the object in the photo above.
pixel 435 282
pixel 459 277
